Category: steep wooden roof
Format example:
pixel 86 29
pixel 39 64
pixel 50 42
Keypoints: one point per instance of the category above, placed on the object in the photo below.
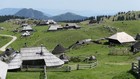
pixel 33 53
pixel 122 37
pixel 58 49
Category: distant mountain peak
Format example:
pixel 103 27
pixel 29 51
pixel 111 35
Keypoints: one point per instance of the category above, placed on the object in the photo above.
pixel 68 16
pixel 69 13
pixel 31 13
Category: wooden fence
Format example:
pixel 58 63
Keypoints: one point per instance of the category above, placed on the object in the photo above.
pixel 60 69
pixel 43 70
pixel 86 66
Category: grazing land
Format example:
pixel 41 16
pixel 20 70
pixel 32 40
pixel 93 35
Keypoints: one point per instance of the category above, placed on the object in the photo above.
pixel 108 66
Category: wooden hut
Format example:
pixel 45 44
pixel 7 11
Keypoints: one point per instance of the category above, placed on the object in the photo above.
pixel 120 38
pixel 27 33
pixel 39 56
pixel 55 28
pixel 136 47
pixel 85 41
pixel 137 37
pixel 64 58
pixel 59 49
pixel 24 25
pixel 27 28
pixel 12 58
pixel 72 26
pixel 51 22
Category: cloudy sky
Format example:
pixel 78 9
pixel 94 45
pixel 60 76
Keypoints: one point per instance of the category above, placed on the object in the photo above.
pixel 84 7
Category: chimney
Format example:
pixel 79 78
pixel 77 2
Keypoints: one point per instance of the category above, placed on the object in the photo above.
pixel 41 52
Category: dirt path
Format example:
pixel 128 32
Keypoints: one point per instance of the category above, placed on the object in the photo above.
pixel 6 45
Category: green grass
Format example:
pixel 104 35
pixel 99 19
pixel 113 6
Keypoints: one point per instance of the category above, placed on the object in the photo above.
pixel 108 66
pixel 4 40
pixel 23 75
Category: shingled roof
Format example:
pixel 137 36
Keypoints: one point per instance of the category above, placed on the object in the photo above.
pixel 122 37
pixel 55 27
pixel 33 54
pixel 58 49
pixel 16 62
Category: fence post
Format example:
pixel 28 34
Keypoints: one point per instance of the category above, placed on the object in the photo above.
pixel 68 68
pixel 132 68
pixel 78 66
pixel 21 67
pixel 27 68
pixel 45 75
pixel 90 65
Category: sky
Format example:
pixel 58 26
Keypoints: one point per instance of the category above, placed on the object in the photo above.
pixel 83 7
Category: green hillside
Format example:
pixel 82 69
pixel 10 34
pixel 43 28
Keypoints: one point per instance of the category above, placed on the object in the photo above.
pixel 108 66
pixel 124 16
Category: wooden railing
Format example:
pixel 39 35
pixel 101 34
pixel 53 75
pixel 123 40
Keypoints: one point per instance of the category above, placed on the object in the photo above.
pixel 60 69
pixel 43 70
pixel 86 66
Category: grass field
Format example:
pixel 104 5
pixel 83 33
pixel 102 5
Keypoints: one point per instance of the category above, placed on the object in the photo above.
pixel 108 66
pixel 4 40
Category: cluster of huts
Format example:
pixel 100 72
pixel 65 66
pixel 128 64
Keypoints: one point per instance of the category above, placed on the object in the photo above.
pixel 31 57
pixel 46 22
pixel 26 29
pixel 67 26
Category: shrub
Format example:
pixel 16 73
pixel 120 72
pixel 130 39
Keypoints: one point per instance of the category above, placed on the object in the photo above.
pixel 75 59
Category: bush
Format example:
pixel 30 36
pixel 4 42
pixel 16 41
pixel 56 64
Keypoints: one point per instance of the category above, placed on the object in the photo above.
pixel 75 59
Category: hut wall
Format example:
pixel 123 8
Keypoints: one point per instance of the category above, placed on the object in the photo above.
pixel 39 62
pixel 111 41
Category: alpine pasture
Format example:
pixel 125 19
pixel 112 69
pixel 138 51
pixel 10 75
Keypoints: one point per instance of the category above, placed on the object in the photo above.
pixel 108 66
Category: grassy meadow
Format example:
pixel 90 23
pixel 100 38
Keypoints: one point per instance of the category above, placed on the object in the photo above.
pixel 107 66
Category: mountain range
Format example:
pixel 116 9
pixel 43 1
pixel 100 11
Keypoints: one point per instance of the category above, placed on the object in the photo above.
pixel 35 14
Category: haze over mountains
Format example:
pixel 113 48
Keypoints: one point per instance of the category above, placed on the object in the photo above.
pixel 35 14
pixel 9 11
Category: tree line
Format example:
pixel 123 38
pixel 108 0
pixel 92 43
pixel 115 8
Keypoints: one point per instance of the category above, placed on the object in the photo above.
pixel 8 17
